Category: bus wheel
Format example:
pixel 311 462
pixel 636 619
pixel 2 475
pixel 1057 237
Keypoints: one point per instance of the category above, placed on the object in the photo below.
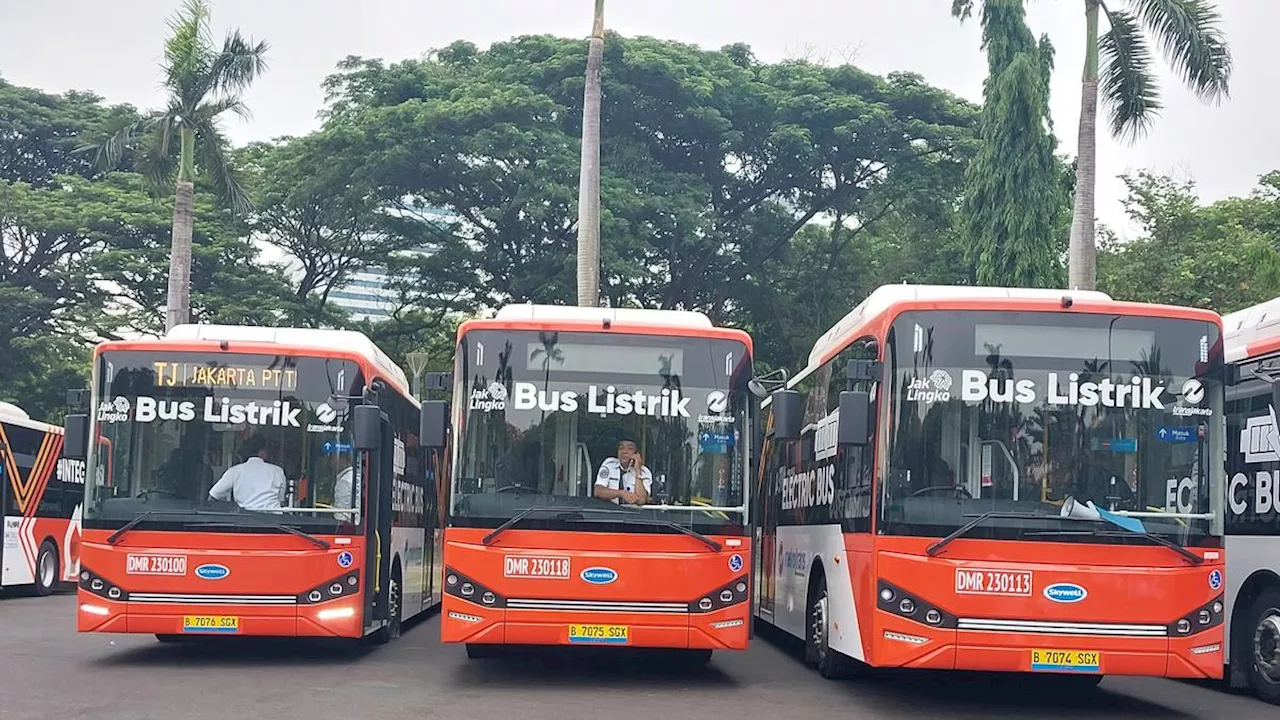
pixel 698 656
pixel 391 630
pixel 483 652
pixel 1264 641
pixel 46 569
pixel 830 663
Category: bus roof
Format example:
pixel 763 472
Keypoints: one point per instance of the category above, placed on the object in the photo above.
pixel 15 415
pixel 343 341
pixel 1256 327
pixel 570 318
pixel 618 316
pixel 887 296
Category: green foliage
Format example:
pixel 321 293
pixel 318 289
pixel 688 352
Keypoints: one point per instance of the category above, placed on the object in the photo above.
pixel 1014 204
pixel 1223 256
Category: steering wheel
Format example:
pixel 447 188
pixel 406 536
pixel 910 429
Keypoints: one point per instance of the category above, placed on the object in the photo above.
pixel 150 491
pixel 957 489
pixel 513 488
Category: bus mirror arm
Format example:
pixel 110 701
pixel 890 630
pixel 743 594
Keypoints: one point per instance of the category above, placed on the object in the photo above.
pixel 75 439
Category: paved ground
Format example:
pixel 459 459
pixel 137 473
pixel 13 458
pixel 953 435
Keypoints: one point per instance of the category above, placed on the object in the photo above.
pixel 48 671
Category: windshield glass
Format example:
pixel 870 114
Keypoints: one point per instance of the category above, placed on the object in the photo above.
pixel 264 435
pixel 564 419
pixel 1017 412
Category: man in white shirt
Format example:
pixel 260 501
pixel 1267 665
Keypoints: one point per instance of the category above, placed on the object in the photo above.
pixel 345 493
pixel 616 480
pixel 254 484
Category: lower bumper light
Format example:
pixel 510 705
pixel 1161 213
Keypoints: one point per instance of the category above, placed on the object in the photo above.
pixel 94 609
pixel 336 613
pixel 903 637
pixel 726 624
pixel 464 618
pixel 1206 649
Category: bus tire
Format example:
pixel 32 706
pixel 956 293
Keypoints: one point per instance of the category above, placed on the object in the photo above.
pixel 699 656
pixel 391 630
pixel 168 638
pixel 47 568
pixel 831 664
pixel 1262 642
pixel 476 651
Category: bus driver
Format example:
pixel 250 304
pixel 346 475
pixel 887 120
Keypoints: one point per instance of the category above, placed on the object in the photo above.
pixel 616 480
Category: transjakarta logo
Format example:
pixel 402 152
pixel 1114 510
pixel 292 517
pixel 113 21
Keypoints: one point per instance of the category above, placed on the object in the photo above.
pixel 1259 443
pixel 326 414
pixel 148 409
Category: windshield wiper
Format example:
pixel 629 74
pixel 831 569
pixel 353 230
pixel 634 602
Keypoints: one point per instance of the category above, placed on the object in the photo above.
pixel 318 542
pixel 563 510
pixel 115 536
pixel 1193 558
pixel 937 547
pixel 658 522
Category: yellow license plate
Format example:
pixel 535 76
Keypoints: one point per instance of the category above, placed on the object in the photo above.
pixel 600 634
pixel 210 624
pixel 1066 660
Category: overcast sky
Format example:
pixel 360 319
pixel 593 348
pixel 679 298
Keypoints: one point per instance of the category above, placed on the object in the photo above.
pixel 113 48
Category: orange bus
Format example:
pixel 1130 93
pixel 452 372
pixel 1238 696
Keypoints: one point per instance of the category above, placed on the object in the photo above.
pixel 972 478
pixel 254 481
pixel 560 416
pixel 40 497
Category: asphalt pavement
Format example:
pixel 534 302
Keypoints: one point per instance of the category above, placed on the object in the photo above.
pixel 47 670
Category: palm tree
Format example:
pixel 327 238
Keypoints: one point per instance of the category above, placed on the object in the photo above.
pixel 203 81
pixel 1119 62
pixel 589 173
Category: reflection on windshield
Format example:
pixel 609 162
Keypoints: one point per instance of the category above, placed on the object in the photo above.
pixel 617 424
pixel 1021 435
pixel 264 436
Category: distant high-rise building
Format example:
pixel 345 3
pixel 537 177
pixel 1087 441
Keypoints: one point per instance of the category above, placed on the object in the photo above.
pixel 367 294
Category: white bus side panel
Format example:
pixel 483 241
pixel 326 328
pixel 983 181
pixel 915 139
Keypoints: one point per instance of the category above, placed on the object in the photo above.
pixel 797 547
pixel 18 569
pixel 1246 554
pixel 409 544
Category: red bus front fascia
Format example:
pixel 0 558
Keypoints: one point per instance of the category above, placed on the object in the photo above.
pixel 272 585
pixel 528 586
pixel 1143 609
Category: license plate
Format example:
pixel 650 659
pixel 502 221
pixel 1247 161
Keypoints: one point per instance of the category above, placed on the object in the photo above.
pixel 600 634
pixel 1065 660
pixel 210 624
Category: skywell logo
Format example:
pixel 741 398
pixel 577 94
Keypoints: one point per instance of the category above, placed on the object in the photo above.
pixel 1065 593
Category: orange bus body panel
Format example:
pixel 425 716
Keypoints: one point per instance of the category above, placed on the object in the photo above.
pixel 265 586
pixel 1127 586
pixel 659 582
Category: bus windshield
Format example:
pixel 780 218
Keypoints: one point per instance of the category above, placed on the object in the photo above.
pixel 175 426
pixel 1015 414
pixel 550 419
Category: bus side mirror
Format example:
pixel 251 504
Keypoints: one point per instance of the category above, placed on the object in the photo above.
pixel 75 438
pixel 855 417
pixel 366 427
pixel 786 415
pixel 433 428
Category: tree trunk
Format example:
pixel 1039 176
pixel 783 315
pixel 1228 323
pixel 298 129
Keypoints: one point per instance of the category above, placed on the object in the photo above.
pixel 179 302
pixel 1082 265
pixel 589 177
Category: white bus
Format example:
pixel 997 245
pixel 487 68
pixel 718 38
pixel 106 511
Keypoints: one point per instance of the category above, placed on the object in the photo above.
pixel 1252 349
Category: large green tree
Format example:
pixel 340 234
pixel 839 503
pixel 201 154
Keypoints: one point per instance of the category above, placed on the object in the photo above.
pixel 714 162
pixel 1119 68
pixel 204 81
pixel 1013 191
pixel 1223 256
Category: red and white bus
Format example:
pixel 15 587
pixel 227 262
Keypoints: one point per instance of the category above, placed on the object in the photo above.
pixel 1253 499
pixel 970 478
pixel 548 404
pixel 337 540
pixel 40 498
